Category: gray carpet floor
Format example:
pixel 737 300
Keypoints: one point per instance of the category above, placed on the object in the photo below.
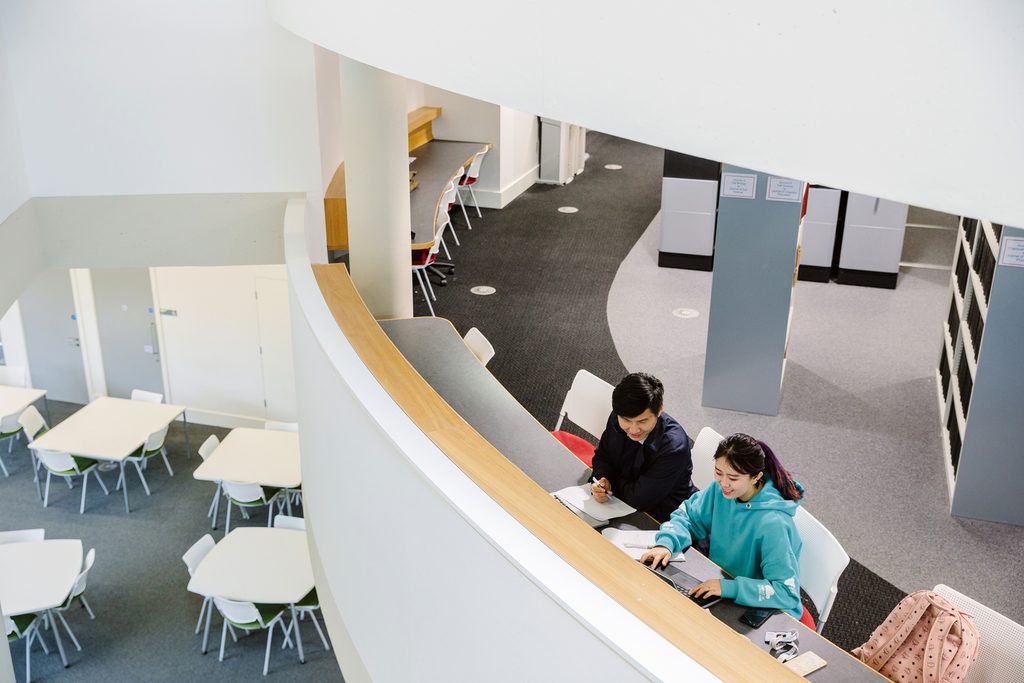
pixel 144 616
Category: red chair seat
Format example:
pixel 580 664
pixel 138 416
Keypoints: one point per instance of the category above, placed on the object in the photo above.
pixel 807 620
pixel 581 448
pixel 423 257
pixel 467 181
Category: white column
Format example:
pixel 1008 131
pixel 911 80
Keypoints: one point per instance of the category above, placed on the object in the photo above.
pixel 375 135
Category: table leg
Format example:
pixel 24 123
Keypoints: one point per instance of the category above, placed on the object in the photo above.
pixel 124 487
pixel 298 635
pixel 206 631
pixel 184 421
pixel 288 501
pixel 216 507
pixel 55 628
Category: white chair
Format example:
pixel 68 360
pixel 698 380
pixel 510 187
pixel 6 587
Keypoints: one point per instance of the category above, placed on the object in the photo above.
pixel 192 557
pixel 288 522
pixel 13 376
pixel 154 446
pixel 478 344
pixel 423 259
pixel 78 593
pixel 822 562
pixel 22 535
pixel 457 179
pixel 444 207
pixel 65 465
pixel 308 605
pixel 205 451
pixel 10 429
pixel 281 426
pixel 587 404
pixel 250 617
pixel 25 626
pixel 472 173
pixel 703 456
pixel 148 396
pixel 246 495
pixel 33 424
pixel 1001 652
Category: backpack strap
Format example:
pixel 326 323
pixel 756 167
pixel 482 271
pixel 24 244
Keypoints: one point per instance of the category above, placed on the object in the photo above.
pixel 969 642
pixel 888 647
pixel 944 623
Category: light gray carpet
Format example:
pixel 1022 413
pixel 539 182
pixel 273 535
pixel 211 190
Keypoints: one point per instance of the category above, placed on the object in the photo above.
pixel 858 422
pixel 144 616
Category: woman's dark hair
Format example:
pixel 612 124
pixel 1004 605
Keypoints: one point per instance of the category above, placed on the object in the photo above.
pixel 636 393
pixel 750 456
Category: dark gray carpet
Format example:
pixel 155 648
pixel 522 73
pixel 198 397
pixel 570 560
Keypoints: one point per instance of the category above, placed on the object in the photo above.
pixel 144 615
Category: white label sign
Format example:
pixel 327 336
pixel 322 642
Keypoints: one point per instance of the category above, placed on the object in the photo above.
pixel 739 185
pixel 784 189
pixel 1013 252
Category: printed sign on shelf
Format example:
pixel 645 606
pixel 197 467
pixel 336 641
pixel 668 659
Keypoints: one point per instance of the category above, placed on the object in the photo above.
pixel 739 185
pixel 784 189
pixel 1013 252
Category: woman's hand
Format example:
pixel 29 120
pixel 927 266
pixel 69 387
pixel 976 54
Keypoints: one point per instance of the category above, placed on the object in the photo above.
pixel 709 588
pixel 601 489
pixel 658 556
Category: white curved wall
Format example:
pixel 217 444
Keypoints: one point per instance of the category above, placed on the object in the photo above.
pixel 914 101
pixel 430 578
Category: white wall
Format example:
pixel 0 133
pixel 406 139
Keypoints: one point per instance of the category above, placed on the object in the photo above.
pixel 13 177
pixel 210 349
pixel 328 107
pixel 168 96
pixel 12 333
pixel 472 120
pixel 520 153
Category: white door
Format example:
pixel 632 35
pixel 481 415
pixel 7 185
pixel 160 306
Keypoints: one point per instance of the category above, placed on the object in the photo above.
pixel 276 348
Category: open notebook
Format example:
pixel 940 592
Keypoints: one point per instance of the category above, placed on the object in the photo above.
pixel 579 497
pixel 635 543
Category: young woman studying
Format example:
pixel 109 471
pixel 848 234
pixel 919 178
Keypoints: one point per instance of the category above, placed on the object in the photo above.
pixel 748 513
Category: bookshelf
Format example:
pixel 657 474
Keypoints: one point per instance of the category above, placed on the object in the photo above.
pixel 979 376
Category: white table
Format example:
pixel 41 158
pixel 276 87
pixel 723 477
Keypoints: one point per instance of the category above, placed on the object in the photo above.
pixel 37 576
pixel 14 400
pixel 111 429
pixel 256 564
pixel 267 457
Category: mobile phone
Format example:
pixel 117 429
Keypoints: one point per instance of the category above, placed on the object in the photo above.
pixel 756 616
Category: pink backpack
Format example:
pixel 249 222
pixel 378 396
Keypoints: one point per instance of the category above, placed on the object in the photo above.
pixel 925 639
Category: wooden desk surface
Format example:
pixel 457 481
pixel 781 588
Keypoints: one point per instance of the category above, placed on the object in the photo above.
pixel 440 356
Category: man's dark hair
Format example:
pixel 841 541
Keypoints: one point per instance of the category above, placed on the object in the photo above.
pixel 637 392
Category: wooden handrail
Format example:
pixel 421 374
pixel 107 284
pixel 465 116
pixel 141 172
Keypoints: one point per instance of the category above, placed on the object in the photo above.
pixel 708 641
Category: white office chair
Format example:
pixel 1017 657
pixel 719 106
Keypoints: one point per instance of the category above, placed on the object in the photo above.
pixel 587 404
pixel 148 396
pixel 423 259
pixel 25 626
pixel 447 202
pixel 458 178
pixel 822 562
pixel 13 376
pixel 33 424
pixel 478 344
pixel 10 429
pixel 703 455
pixel 205 451
pixel 154 446
pixel 288 522
pixel 22 535
pixel 192 557
pixel 281 426
pixel 247 495
pixel 1001 652
pixel 77 593
pixel 472 173
pixel 250 617
pixel 65 465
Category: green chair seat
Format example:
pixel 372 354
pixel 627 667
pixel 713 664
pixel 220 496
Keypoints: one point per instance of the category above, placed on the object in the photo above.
pixel 21 624
pixel 4 435
pixel 268 493
pixel 82 463
pixel 310 600
pixel 138 453
pixel 267 613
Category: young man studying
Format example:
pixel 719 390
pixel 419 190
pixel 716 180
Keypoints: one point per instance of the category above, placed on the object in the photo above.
pixel 643 457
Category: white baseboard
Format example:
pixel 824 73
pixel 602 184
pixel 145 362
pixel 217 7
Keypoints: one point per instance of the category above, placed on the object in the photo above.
pixel 499 199
pixel 228 420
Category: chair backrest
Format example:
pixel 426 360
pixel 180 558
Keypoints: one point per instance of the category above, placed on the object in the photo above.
pixel 31 421
pixel 13 376
pixel 243 492
pixel 703 454
pixel 822 562
pixel 156 439
pixel 1001 652
pixel 194 555
pixel 281 426
pixel 209 446
pixel 588 403
pixel 56 461
pixel 83 578
pixel 481 348
pixel 149 396
pixel 474 166
pixel 237 611
pixel 447 197
pixel 9 424
pixel 286 522
pixel 22 535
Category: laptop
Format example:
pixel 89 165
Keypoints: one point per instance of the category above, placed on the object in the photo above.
pixel 683 583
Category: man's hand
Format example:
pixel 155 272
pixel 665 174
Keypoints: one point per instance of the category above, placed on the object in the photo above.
pixel 600 489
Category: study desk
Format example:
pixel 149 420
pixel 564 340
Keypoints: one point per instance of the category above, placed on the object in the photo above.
pixel 268 457
pixel 255 564
pixel 37 576
pixel 436 162
pixel 14 400
pixel 437 352
pixel 110 429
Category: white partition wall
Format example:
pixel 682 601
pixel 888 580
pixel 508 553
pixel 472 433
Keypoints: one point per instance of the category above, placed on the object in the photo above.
pixel 377 489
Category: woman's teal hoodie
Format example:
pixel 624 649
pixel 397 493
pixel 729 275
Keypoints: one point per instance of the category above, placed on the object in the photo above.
pixel 756 542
